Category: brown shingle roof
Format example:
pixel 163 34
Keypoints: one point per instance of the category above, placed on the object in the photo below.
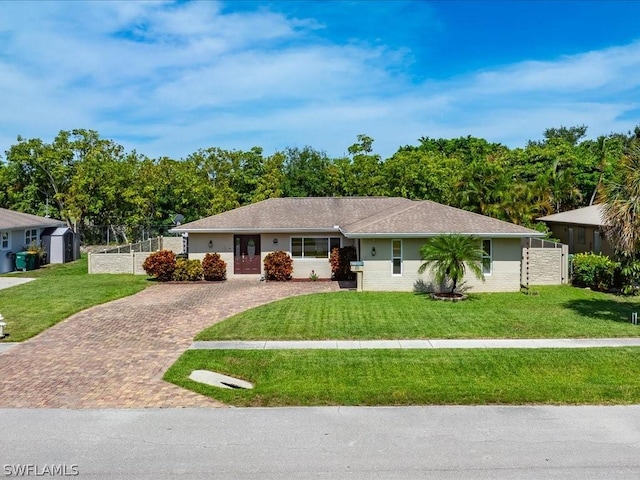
pixel 356 217
pixel 425 218
pixel 295 213
pixel 10 220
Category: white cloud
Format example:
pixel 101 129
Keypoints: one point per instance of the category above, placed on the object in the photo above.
pixel 169 78
pixel 587 71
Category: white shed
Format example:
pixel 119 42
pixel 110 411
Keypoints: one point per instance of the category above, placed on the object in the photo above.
pixel 60 244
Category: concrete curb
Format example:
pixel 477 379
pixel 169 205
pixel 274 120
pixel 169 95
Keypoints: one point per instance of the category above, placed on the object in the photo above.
pixel 416 344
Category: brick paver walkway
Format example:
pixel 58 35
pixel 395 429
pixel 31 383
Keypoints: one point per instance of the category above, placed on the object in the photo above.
pixel 114 355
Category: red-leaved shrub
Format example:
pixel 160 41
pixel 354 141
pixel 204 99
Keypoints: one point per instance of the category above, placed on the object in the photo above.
pixel 215 269
pixel 340 260
pixel 278 266
pixel 160 265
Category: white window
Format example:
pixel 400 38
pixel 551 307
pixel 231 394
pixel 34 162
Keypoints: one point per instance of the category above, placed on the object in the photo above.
pixel 4 241
pixel 487 262
pixel 396 257
pixel 30 236
pixel 313 247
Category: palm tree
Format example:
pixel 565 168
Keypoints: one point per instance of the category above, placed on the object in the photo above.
pixel 621 204
pixel 448 257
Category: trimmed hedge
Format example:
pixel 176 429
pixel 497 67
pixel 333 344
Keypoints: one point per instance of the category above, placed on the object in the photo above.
pixel 160 265
pixel 187 270
pixel 214 268
pixel 278 266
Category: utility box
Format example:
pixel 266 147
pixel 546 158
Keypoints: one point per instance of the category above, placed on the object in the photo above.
pixel 25 261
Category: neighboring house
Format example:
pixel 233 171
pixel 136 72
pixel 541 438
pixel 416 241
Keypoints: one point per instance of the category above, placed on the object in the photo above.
pixel 19 230
pixel 581 229
pixel 386 232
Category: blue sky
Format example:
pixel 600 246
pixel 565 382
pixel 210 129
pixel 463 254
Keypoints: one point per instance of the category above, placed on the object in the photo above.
pixel 169 78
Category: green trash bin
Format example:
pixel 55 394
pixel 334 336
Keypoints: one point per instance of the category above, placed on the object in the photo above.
pixel 25 261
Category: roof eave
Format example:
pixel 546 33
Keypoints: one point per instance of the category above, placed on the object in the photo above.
pixel 430 235
pixel 571 222
pixel 40 225
pixel 254 230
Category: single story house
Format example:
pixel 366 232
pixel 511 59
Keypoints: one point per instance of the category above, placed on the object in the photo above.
pixel 581 229
pixel 386 232
pixel 19 230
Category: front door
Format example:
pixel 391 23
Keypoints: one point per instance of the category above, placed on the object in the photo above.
pixel 246 257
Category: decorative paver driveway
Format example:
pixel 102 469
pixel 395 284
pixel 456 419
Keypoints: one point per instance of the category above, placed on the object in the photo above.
pixel 114 355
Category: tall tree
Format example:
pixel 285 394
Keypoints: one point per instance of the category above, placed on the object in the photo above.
pixel 570 135
pixel 43 173
pixel 621 198
pixel 365 169
pixel 219 168
pixel 306 172
pixel 271 183
pixel 419 174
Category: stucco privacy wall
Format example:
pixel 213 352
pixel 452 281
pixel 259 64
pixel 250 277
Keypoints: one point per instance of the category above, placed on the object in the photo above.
pixel 117 262
pixel 377 276
pixel 545 266
pixel 222 243
pixel 130 263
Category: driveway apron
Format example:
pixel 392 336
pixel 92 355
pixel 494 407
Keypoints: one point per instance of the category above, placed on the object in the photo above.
pixel 114 355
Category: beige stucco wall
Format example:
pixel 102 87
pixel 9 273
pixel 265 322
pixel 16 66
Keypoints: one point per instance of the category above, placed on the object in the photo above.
pixel 561 232
pixel 505 275
pixel 222 243
pixel 172 243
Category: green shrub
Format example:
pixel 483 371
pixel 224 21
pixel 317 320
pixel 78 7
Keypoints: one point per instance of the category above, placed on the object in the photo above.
pixel 594 271
pixel 160 265
pixel 340 260
pixel 214 268
pixel 187 270
pixel 278 266
pixel 629 274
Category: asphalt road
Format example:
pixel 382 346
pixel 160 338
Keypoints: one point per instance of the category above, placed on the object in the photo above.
pixel 333 443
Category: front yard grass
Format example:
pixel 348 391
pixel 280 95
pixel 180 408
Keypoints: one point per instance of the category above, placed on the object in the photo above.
pixel 556 312
pixel 58 292
pixel 418 377
pixel 425 377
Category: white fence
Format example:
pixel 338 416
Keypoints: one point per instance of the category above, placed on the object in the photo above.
pixel 129 258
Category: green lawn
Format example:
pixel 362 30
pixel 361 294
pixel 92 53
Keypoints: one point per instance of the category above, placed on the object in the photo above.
pixel 425 377
pixel 556 312
pixel 58 292
pixel 418 377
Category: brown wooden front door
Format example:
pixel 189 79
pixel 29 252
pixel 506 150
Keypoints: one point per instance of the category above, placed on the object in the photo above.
pixel 246 257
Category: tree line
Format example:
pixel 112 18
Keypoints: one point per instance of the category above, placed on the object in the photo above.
pixel 90 182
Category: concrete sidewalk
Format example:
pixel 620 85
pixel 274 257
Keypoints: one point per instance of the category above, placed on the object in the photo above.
pixel 8 282
pixel 417 344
